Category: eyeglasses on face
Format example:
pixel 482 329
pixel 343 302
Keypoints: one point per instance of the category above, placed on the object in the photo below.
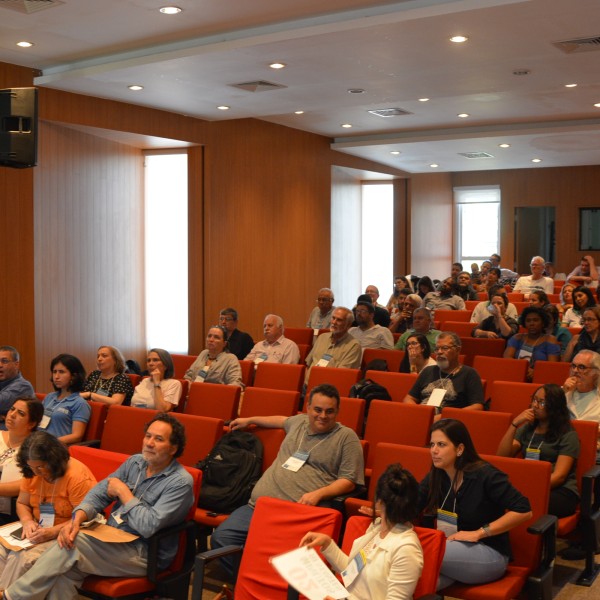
pixel 540 402
pixel 324 299
pixel 6 361
pixel 413 344
pixel 580 367
pixel 444 348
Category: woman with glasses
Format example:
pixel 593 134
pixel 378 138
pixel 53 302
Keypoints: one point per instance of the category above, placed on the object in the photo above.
pixel 417 355
pixel 22 418
pixel 53 485
pixel 159 391
pixel 589 338
pixel 583 298
pixel 109 384
pixel 544 432
pixel 498 324
pixel 216 364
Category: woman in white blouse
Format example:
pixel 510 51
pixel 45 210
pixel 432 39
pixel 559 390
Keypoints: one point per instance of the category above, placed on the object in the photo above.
pixel 159 390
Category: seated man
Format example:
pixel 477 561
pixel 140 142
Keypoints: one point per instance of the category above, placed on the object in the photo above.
pixel 507 274
pixel 422 323
pixel 240 342
pixel 382 316
pixel 151 491
pixel 367 333
pixel 455 270
pixel 319 459
pixel 275 347
pixel 464 289
pixel 337 348
pixel 582 388
pixel 373 292
pixel 584 274
pixel 535 281
pixel 403 320
pixel 320 317
pixel 449 383
pixel 445 299
pixel 12 384
pixel 482 310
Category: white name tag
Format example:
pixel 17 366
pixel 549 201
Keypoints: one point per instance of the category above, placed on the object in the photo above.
pixel 436 398
pixel 295 462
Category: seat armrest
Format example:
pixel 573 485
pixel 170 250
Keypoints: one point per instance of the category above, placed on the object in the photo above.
pixel 545 526
pixel 153 572
pixel 360 491
pixel 590 491
pixel 202 560
pixel 89 443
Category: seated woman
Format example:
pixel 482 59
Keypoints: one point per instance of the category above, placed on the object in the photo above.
pixel 22 418
pixel 109 384
pixel 475 505
pixel 400 283
pixel 589 338
pixel 53 485
pixel 424 286
pixel 66 413
pixel 562 334
pixel 566 300
pixel 538 298
pixel 544 432
pixel 418 354
pixel 394 558
pixel 216 364
pixel 498 324
pixel 159 390
pixel 582 298
pixel 491 278
pixel 535 344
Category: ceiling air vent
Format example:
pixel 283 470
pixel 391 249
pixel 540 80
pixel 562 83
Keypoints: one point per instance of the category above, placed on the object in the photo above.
pixel 29 6
pixel 258 86
pixel 586 44
pixel 471 155
pixel 389 112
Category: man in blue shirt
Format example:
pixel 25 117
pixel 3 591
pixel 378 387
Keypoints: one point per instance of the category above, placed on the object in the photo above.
pixel 12 384
pixel 151 491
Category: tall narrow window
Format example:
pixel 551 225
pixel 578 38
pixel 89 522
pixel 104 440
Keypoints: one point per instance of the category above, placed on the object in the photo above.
pixel 166 250
pixel 477 219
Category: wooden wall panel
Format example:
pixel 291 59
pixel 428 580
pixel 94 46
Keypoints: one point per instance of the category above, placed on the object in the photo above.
pixel 88 247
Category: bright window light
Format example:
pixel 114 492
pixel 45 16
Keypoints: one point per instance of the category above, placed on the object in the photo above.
pixel 166 250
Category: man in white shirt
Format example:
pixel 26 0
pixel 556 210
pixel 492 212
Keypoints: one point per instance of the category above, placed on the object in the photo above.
pixel 275 348
pixel 535 281
pixel 367 333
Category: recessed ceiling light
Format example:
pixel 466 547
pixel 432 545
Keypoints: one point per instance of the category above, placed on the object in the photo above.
pixel 504 145
pixel 570 85
pixel 434 165
pixel 395 152
pixel 346 125
pixel 423 99
pixel 298 112
pixel 597 105
pixel 277 65
pixel 536 160
pixel 223 107
pixel 170 10
pixel 459 39
pixel 135 88
pixel 463 115
pixel 356 91
pixel 24 44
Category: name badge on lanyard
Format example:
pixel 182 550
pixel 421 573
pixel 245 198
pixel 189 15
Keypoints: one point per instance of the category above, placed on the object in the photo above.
pixel 533 454
pixel 46 515
pixel 325 360
pixel 350 573
pixel 447 522
pixel 45 422
pixel 260 359
pixel 101 392
pixel 202 375
pixel 436 397
pixel 295 462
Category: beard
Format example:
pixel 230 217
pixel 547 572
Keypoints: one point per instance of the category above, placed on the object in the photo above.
pixel 442 363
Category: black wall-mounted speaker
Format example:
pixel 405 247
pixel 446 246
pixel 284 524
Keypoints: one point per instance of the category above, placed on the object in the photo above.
pixel 18 127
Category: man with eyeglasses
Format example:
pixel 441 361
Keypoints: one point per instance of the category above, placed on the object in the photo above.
pixel 12 384
pixel 582 387
pixel 421 323
pixel 240 342
pixel 320 317
pixel 448 383
pixel 402 321
pixel 367 333
pixel 535 281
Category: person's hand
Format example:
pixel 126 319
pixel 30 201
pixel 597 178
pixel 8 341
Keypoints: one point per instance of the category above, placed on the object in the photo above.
pixel 156 375
pixel 466 536
pixel 67 535
pixel 42 534
pixel 313 539
pixel 492 335
pixel 29 528
pixel 526 416
pixel 570 384
pixel 368 511
pixel 116 488
pixel 312 498
pixel 413 353
pixel 239 423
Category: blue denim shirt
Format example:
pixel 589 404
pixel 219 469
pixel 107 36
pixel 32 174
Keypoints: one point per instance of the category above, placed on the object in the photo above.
pixel 159 501
pixel 10 390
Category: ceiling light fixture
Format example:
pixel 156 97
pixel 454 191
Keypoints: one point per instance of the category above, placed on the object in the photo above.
pixel 298 112
pixel 423 99
pixel 504 145
pixel 434 165
pixel 570 85
pixel 356 91
pixel 346 125
pixel 24 44
pixel 459 39
pixel 170 10
pixel 597 105
pixel 277 65
pixel 536 160
pixel 463 115
pixel 135 88
pixel 223 107
pixel 395 152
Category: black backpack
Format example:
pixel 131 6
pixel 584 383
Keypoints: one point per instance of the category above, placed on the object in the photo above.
pixel 369 390
pixel 230 471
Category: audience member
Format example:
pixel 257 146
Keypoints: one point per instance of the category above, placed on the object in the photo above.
pixel 422 323
pixel 381 316
pixel 491 279
pixel 584 274
pixel 53 485
pixel 535 344
pixel 239 342
pixel 318 460
pixel 66 413
pixel 565 299
pixel 401 283
pixel 482 311
pixel 320 316
pixel 498 324
pixel 448 383
pixel 424 286
pixel 417 355
pixel 475 274
pixel 159 390
pixel 109 384
pixel 401 320
pixel 535 281
pixel 544 432
pixel 445 299
pixel 216 364
pixel 583 298
pixel 367 333
pixel 589 338
pixel 275 347
pixel 464 289
pixel 12 384
pixel 151 491
pixel 549 270
pixel 336 348
pixel 456 269
pixel 506 273
pixel 539 298
pixel 373 291
pixel 562 334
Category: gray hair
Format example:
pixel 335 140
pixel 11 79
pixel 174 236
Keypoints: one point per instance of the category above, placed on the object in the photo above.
pixel 414 298
pixel 349 314
pixel 595 362
pixel 450 334
pixel 278 320
pixel 423 310
pixel 14 352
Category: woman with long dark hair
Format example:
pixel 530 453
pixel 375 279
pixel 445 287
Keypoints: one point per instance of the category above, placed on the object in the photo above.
pixel 583 298
pixel 589 338
pixel 544 432
pixel 473 503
